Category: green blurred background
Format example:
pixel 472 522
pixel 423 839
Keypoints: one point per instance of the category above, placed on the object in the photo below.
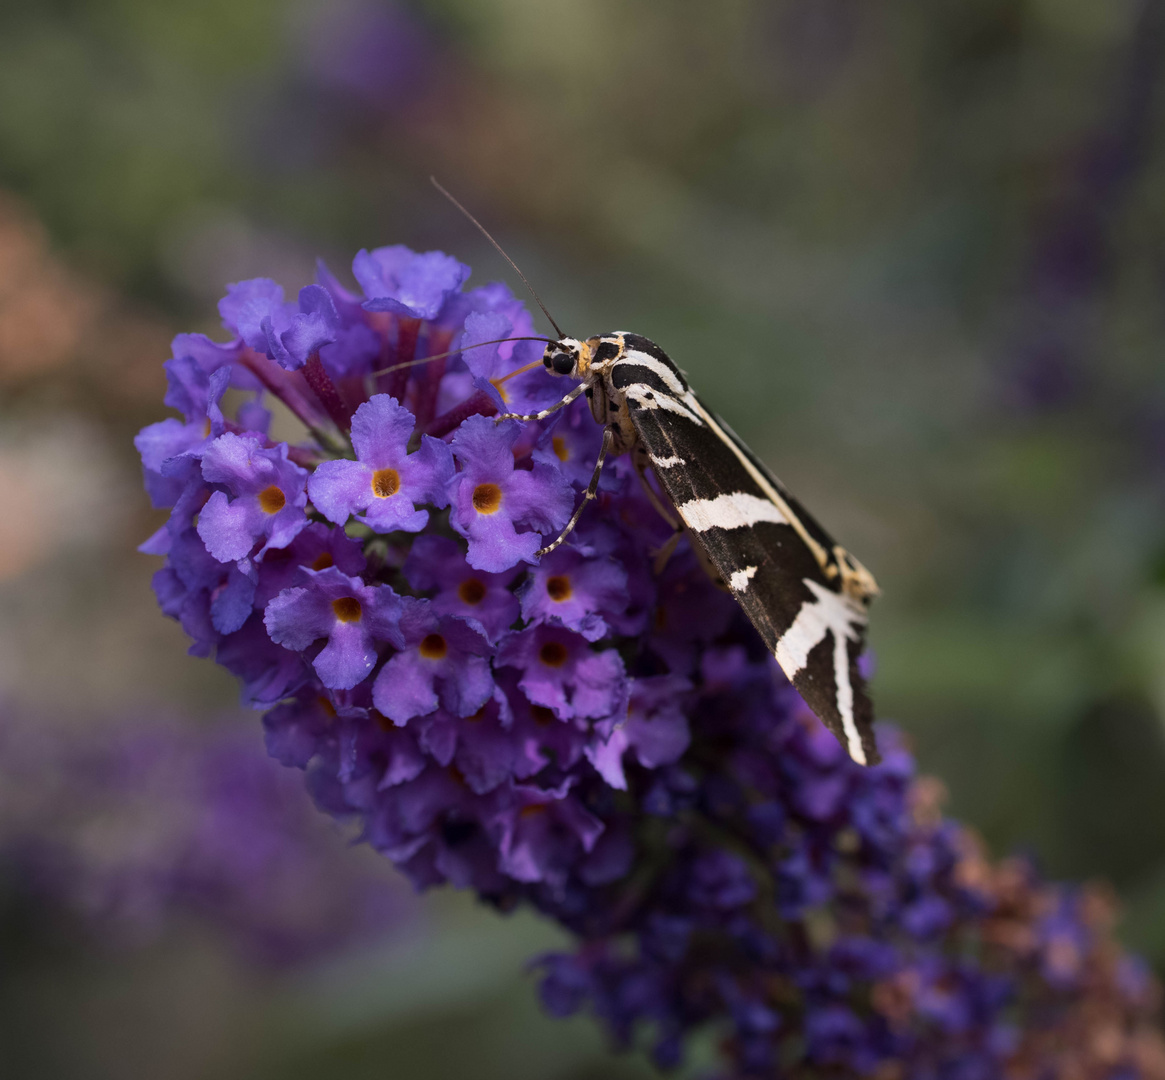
pixel 914 252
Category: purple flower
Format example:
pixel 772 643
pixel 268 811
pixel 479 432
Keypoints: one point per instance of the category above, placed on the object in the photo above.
pixel 568 589
pixel 444 661
pixel 317 547
pixel 484 747
pixel 490 364
pixel 316 324
pixel 570 441
pixel 491 498
pixel 256 312
pixel 266 497
pixel 542 832
pixel 483 600
pixel 656 729
pixel 352 616
pixel 384 484
pixel 192 821
pixel 355 351
pixel 196 395
pixel 399 280
pixel 205 590
pixel 248 303
pixel 560 671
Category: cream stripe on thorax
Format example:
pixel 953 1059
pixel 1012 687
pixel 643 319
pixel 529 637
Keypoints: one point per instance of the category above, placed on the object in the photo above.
pixel 670 380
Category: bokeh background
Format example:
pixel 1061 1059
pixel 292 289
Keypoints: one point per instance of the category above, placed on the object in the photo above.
pixel 914 252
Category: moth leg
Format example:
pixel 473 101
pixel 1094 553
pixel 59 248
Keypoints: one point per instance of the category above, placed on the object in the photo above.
pixel 665 552
pixel 637 459
pixel 545 412
pixel 591 491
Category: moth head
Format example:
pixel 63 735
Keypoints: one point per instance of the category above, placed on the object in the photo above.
pixel 567 356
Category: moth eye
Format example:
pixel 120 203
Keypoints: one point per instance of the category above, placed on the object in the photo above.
pixel 564 363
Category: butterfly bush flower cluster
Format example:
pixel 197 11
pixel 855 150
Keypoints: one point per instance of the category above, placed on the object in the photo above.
pixel 589 733
pixel 135 825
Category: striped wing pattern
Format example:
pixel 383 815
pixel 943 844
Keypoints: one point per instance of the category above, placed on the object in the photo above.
pixel 815 631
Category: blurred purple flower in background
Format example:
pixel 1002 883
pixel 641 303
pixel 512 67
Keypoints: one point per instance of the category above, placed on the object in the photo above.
pixel 377 53
pixel 137 825
pixel 612 746
pixel 1071 257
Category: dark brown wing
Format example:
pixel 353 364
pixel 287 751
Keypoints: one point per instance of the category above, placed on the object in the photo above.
pixel 770 552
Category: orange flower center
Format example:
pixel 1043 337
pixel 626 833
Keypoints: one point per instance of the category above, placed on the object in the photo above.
pixel 487 498
pixel 272 499
pixel 433 647
pixel 558 444
pixel 385 482
pixel 471 591
pixel 347 609
pixel 543 716
pixel 558 588
pixel 323 560
pixel 553 654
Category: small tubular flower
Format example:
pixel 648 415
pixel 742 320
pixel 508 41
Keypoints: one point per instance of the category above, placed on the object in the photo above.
pixel 484 601
pixel 352 616
pixel 572 590
pixel 261 497
pixel 397 280
pixel 491 498
pixel 383 486
pixel 444 660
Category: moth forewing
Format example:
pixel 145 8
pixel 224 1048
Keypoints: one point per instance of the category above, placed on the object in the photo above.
pixel 800 589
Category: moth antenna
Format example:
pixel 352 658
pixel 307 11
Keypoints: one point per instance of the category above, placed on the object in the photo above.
pixel 464 348
pixel 501 252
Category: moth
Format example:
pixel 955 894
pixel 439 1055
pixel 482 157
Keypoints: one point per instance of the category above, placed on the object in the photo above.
pixel 805 594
